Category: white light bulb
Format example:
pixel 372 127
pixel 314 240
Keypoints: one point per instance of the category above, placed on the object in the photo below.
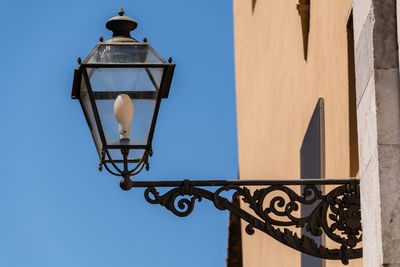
pixel 123 112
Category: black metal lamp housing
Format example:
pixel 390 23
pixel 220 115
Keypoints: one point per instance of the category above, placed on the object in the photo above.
pixel 120 86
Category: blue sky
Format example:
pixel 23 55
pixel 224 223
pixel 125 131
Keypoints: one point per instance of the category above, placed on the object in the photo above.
pixel 56 208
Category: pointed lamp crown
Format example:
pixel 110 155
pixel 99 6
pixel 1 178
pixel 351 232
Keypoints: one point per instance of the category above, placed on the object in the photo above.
pixel 121 25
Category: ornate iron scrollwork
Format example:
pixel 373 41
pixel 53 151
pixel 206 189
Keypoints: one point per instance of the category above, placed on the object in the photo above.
pixel 124 172
pixel 275 207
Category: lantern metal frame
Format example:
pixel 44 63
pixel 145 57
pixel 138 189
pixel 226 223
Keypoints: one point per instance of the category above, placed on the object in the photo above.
pixel 271 206
pixel 161 91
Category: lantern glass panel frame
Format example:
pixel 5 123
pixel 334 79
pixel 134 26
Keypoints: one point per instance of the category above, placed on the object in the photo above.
pixel 153 81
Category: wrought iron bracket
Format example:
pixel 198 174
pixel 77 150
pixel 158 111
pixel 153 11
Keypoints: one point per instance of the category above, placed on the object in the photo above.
pixel 272 206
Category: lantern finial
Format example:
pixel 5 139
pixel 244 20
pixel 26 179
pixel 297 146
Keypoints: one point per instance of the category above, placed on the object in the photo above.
pixel 121 26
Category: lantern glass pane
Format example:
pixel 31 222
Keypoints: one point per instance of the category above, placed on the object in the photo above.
pixel 88 110
pixel 134 154
pixel 124 54
pixel 125 79
pixel 143 111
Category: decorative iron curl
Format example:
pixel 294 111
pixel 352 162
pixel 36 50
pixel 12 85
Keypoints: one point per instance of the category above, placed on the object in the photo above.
pixel 335 214
pixel 180 207
pixel 126 171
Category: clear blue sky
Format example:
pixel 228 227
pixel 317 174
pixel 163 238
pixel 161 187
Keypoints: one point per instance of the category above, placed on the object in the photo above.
pixel 56 208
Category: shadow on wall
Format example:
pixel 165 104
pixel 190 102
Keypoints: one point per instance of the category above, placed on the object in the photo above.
pixel 253 5
pixel 312 166
pixel 312 151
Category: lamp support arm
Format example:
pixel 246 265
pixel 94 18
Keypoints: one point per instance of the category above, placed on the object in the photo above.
pixel 273 207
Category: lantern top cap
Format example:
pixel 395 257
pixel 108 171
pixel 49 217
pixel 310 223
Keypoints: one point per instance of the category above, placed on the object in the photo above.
pixel 121 26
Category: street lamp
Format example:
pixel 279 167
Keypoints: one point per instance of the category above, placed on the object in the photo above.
pixel 120 86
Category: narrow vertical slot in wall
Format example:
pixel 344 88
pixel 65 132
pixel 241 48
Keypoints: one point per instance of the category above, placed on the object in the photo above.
pixel 235 257
pixel 353 136
pixel 303 7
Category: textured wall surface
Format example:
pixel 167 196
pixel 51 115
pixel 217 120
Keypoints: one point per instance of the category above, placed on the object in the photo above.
pixel 378 115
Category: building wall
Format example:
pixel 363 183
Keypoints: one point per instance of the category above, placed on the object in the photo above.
pixel 277 90
pixel 378 115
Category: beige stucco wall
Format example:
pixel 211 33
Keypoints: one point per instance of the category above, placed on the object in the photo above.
pixel 277 91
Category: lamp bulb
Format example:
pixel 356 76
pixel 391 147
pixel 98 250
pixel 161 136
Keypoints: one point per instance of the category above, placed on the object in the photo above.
pixel 123 112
